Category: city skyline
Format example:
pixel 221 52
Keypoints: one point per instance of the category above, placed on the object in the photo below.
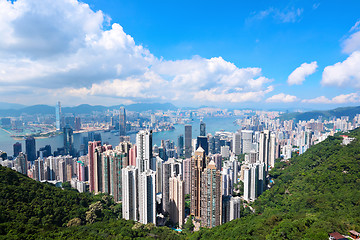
pixel 260 54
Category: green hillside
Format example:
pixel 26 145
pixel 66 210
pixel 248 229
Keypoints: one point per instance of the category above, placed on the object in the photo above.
pixel 34 210
pixel 314 194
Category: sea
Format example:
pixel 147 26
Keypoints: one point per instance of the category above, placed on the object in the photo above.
pixel 213 124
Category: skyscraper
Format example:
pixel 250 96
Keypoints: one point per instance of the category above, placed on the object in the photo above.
pixel 68 140
pixel 77 123
pixel 246 139
pixel 235 203
pixel 171 168
pixel 264 142
pixel 92 170
pixel 17 149
pixel 211 196
pixel 186 174
pixel 58 116
pixel 144 156
pixel 180 146
pixel 198 163
pixel 30 148
pixel 147 197
pixel 130 200
pixel 21 163
pixel 176 200
pixel 203 142
pixel 272 150
pixel 236 143
pixel 188 139
pixel 202 128
pixel 122 122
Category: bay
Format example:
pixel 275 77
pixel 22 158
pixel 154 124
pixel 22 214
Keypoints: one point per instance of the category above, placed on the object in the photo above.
pixel 213 124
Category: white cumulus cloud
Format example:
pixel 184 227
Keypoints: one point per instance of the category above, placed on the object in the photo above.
pixel 352 43
pixel 340 99
pixel 298 76
pixel 63 50
pixel 282 98
pixel 343 74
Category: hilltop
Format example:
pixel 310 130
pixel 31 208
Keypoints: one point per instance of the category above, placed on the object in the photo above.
pixel 337 112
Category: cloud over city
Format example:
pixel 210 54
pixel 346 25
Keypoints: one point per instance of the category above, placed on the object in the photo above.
pixel 298 76
pixel 65 49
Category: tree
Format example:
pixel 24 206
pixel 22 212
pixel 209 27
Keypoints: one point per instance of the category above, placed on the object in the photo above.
pixel 189 225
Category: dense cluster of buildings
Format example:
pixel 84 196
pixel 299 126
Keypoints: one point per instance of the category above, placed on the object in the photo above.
pixel 154 183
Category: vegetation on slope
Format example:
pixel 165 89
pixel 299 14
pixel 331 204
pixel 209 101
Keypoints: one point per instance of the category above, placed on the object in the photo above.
pixel 33 210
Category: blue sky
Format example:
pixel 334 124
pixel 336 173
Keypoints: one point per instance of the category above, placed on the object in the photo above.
pixel 261 54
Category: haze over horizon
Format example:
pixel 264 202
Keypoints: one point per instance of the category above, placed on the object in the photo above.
pixel 263 54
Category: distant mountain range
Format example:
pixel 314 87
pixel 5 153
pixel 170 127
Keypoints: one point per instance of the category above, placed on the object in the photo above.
pixel 337 112
pixel 15 110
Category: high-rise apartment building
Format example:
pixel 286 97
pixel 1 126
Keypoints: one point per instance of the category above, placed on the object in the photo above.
pixel 21 163
pixel 264 141
pixel 144 158
pixel 235 204
pixel 130 198
pixel 198 164
pixel 186 174
pixel 147 197
pixel 211 196
pixel 170 168
pixel 92 165
pixel 176 200
pixel 272 150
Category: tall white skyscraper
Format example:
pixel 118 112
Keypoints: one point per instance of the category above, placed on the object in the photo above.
pixel 246 137
pixel 264 147
pixel 144 156
pixel 235 203
pixel 254 181
pixel 147 197
pixel 130 200
pixel 272 150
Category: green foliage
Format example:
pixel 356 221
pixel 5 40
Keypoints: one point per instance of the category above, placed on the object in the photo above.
pixel 34 210
pixel 189 225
